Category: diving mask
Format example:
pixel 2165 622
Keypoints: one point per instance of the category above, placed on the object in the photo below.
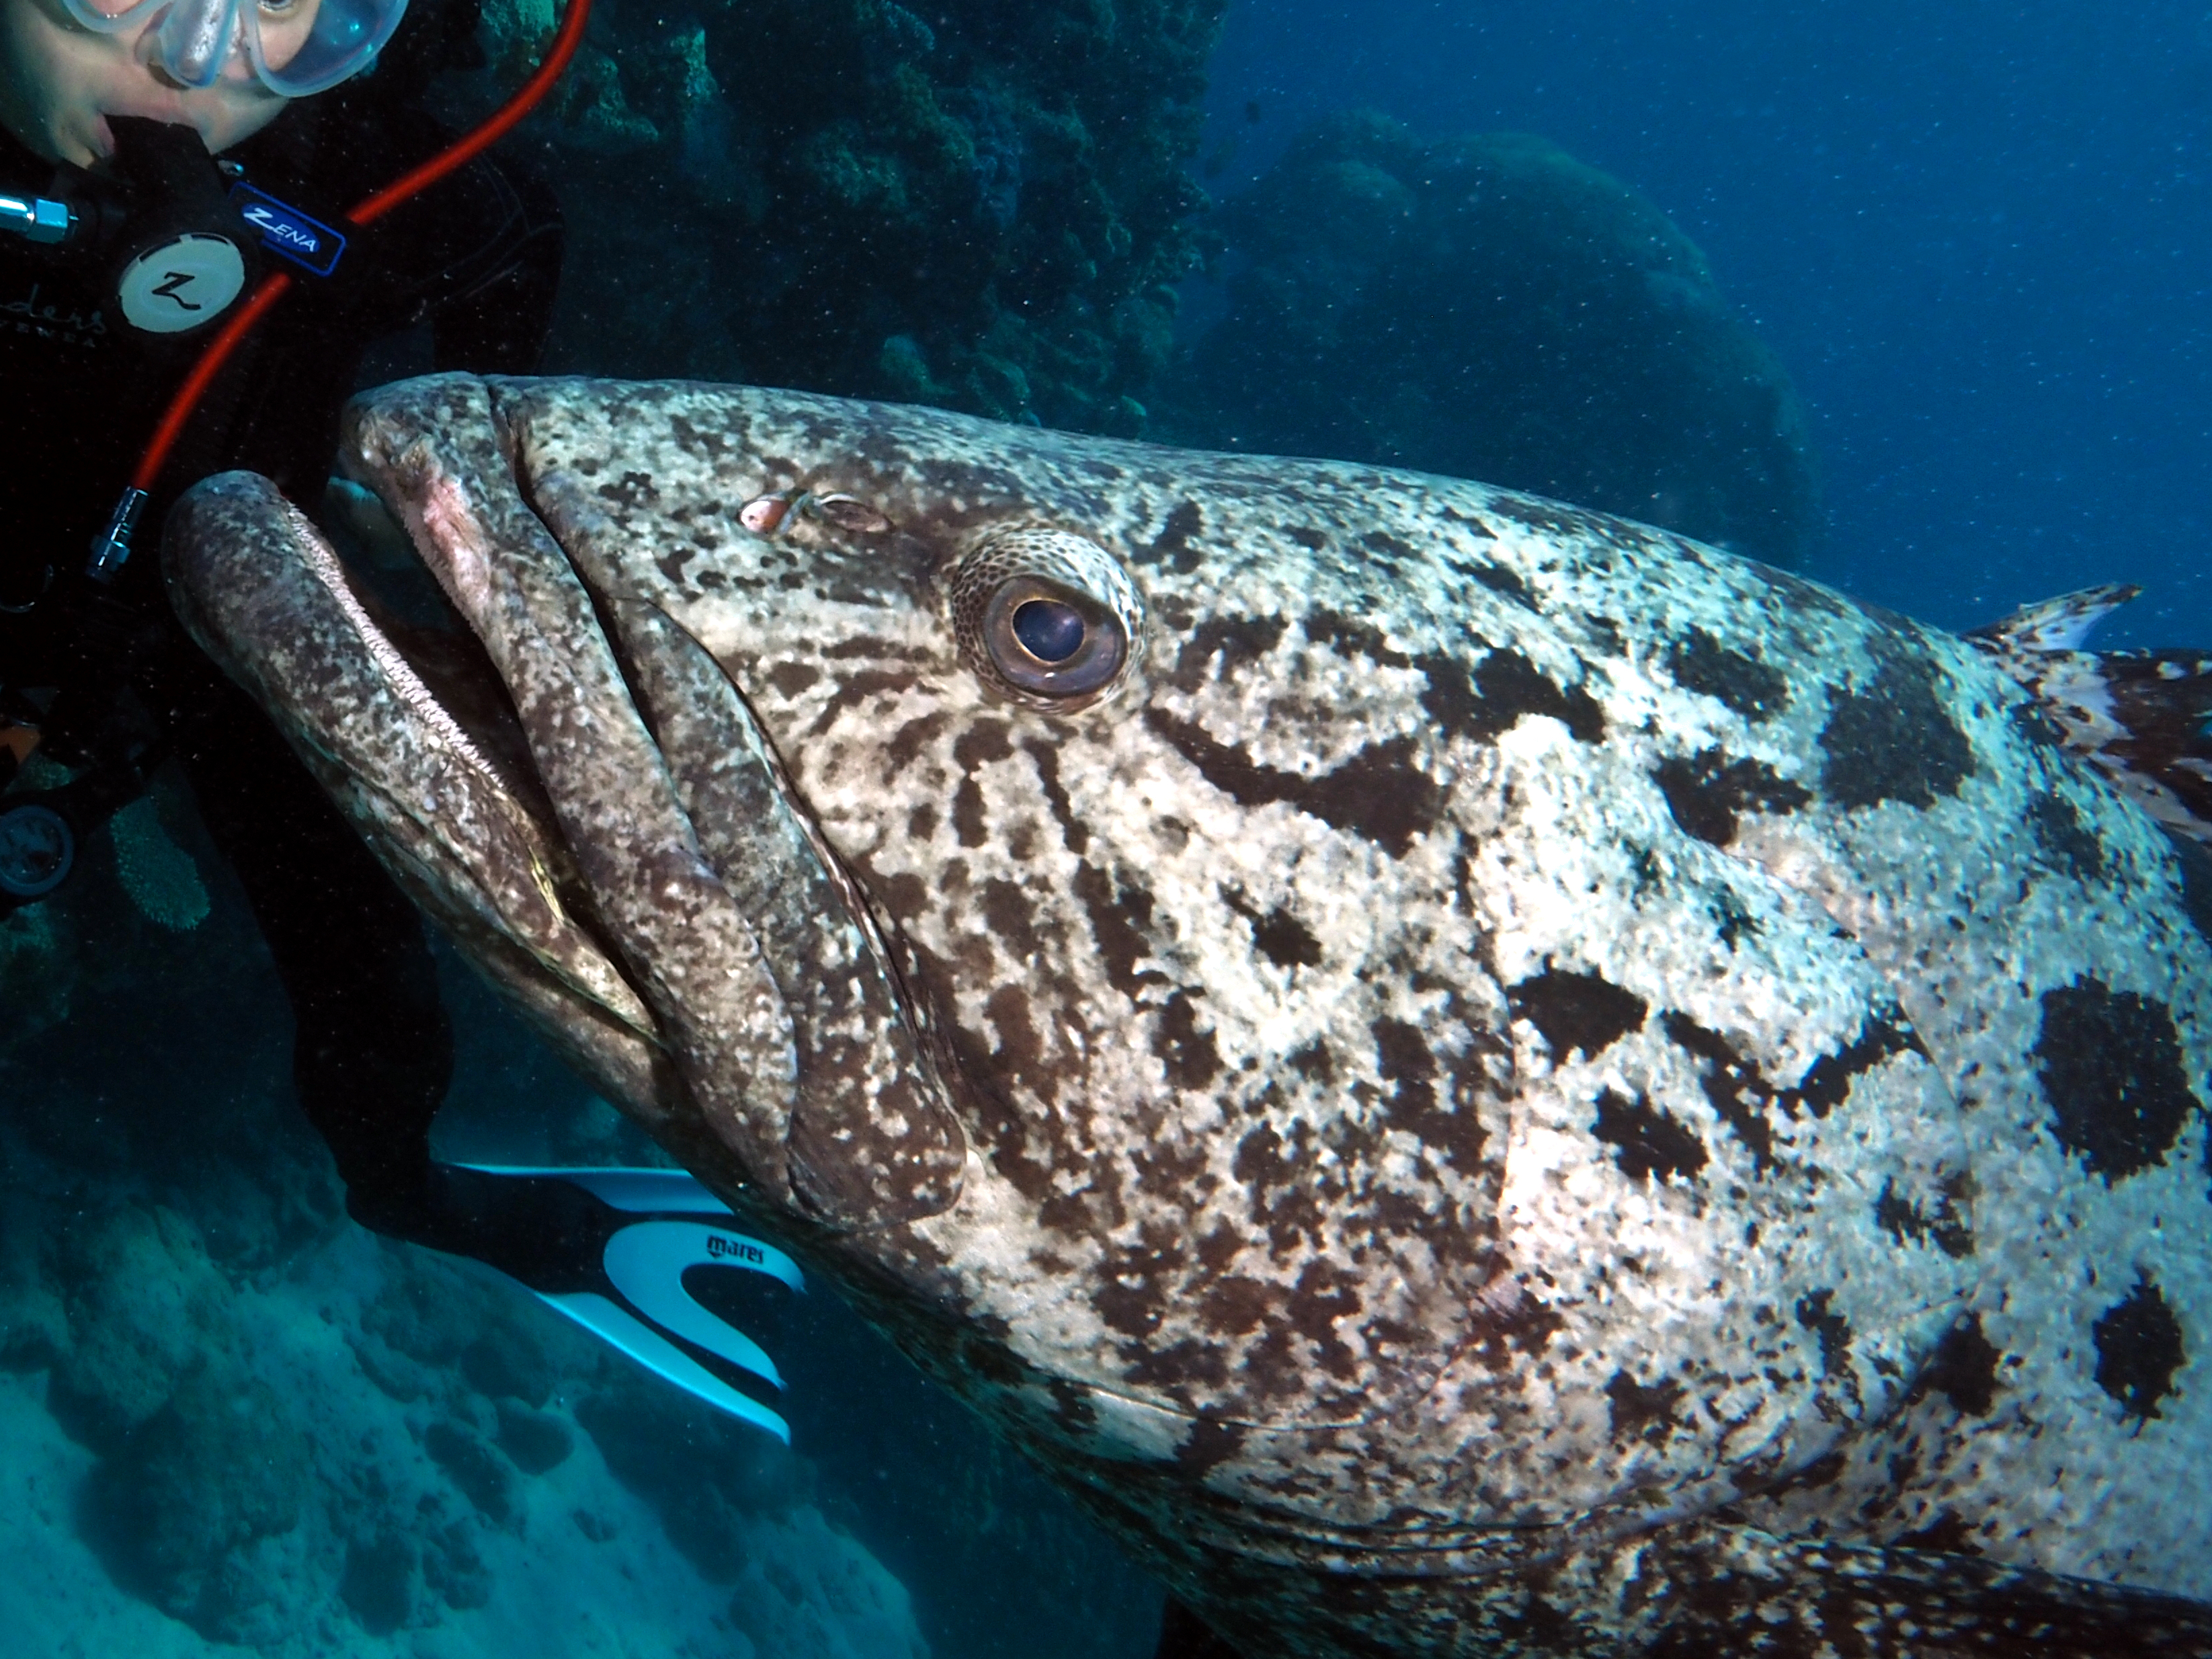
pixel 295 46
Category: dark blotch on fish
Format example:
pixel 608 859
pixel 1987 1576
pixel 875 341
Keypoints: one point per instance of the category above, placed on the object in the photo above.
pixel 1388 551
pixel 790 678
pixel 1702 664
pixel 2195 872
pixel 1828 1080
pixel 1526 1329
pixel 1577 1011
pixel 1209 1442
pixel 2139 1348
pixel 1133 1294
pixel 1964 1368
pixel 1280 936
pixel 1506 584
pixel 1009 913
pixel 1378 793
pixel 1833 1329
pixel 1707 792
pixel 1232 642
pixel 1402 1057
pixel 1645 1140
pixel 1349 637
pixel 2111 1066
pixel 1740 1093
pixel 983 742
pixel 1172 545
pixel 1894 740
pixel 1072 833
pixel 1946 1229
pixel 1504 686
pixel 1640 1412
pixel 1189 1055
pixel 1117 922
pixel 2035 726
pixel 1946 1534
pixel 2066 845
pixel 1451 1130
pixel 1234 1306
pixel 633 489
pixel 1733 1087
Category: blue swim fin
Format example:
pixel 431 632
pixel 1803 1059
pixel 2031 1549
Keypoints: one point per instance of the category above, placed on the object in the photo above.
pixel 610 1250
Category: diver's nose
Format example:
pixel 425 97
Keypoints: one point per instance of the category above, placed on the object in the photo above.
pixel 184 44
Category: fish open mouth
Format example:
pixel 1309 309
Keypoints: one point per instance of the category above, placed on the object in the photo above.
pixel 423 645
pixel 348 638
pixel 570 783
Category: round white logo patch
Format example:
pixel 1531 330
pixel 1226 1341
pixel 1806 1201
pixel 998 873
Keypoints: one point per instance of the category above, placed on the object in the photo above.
pixel 181 284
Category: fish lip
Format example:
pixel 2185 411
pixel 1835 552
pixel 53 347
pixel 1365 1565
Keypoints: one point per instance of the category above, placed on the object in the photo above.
pixel 459 705
pixel 449 664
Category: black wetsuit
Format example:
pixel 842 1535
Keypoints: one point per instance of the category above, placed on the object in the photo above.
pixel 476 259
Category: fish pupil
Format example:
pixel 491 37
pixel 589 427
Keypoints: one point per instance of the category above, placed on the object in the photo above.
pixel 1048 630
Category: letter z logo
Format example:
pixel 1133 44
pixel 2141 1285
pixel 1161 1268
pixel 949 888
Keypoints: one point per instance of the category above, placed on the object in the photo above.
pixel 171 282
pixel 281 230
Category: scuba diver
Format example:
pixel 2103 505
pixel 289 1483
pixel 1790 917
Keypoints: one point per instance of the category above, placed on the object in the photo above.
pixel 153 155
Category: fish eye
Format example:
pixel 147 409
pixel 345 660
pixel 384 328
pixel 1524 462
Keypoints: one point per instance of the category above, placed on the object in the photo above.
pixel 1051 640
pixel 1051 632
pixel 1043 616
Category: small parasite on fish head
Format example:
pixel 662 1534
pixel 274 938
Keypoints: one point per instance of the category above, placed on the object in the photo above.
pixel 782 511
pixel 1044 616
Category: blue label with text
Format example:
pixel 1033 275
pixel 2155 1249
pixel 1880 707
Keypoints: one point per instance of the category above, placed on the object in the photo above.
pixel 287 232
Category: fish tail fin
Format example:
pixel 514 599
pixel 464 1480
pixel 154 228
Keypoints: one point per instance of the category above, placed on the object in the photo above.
pixel 2144 718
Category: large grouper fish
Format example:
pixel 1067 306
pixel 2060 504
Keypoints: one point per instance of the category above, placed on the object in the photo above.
pixel 1470 1078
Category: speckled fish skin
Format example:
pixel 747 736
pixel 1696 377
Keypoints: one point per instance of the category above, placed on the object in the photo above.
pixel 1516 1086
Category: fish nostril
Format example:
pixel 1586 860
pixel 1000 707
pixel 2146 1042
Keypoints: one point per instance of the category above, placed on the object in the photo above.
pixel 764 515
pixel 780 511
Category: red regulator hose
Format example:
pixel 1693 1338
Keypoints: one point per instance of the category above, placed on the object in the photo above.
pixel 115 546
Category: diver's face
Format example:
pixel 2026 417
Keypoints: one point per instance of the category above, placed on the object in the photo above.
pixel 59 83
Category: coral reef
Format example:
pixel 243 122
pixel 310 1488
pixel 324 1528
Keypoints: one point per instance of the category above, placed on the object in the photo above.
pixel 1493 308
pixel 230 1420
pixel 160 875
pixel 37 971
pixel 39 947
pixel 983 208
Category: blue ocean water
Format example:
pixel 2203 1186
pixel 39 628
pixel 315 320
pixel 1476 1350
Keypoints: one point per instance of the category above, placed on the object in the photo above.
pixel 1976 235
